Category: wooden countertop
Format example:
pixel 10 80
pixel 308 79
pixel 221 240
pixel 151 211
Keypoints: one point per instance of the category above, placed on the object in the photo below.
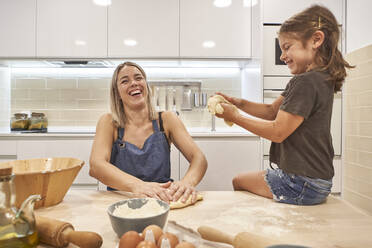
pixel 332 224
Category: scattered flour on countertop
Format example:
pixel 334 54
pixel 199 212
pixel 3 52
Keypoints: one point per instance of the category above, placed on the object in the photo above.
pixel 150 208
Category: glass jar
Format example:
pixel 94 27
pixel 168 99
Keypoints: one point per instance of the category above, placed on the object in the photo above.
pixel 38 121
pixel 17 227
pixel 19 122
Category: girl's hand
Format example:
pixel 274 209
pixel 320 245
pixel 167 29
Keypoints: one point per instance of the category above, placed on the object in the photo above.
pixel 182 190
pixel 229 112
pixel 233 100
pixel 154 190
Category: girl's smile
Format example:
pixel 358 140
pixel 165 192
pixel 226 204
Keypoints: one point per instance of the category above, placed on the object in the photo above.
pixel 299 58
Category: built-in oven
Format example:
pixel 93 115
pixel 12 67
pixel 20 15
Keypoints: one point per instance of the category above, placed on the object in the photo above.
pixel 272 66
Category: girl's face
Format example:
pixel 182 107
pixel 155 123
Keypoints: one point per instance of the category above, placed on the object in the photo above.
pixel 298 58
pixel 132 86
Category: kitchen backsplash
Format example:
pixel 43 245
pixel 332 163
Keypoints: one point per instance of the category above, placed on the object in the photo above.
pixel 357 167
pixel 78 102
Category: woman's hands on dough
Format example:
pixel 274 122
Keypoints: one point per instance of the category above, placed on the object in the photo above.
pixel 182 190
pixel 154 190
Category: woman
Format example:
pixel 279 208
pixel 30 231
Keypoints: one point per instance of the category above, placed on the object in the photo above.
pixel 131 149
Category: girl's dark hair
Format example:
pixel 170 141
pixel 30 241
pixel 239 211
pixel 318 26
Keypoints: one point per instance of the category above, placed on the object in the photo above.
pixel 328 57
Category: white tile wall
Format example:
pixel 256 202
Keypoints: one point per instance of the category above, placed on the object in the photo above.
pixel 78 102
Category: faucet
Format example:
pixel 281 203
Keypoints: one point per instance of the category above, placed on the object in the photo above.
pixel 213 123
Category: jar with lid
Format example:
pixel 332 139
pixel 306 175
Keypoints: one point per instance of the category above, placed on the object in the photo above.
pixel 19 122
pixel 39 122
pixel 17 227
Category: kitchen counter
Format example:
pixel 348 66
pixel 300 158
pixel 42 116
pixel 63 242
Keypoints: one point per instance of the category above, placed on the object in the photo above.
pixel 332 224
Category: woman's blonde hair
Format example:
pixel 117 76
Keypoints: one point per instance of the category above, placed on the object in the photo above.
pixel 116 103
pixel 303 25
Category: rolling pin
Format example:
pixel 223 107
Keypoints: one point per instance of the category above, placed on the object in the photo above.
pixel 241 240
pixel 59 234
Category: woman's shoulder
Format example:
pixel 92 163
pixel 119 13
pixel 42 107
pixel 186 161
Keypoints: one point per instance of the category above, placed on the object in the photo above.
pixel 169 116
pixel 106 120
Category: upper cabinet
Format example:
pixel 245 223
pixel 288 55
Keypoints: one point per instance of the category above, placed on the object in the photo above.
pixel 143 28
pixel 278 11
pixel 70 28
pixel 212 28
pixel 17 26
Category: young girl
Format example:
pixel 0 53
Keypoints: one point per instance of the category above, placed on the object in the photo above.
pixel 298 122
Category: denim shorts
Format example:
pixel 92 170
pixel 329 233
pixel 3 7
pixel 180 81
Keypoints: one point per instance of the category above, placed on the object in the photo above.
pixel 298 190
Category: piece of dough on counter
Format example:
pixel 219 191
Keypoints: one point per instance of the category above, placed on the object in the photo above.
pixel 214 106
pixel 179 204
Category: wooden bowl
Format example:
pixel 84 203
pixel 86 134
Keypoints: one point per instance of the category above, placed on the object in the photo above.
pixel 48 177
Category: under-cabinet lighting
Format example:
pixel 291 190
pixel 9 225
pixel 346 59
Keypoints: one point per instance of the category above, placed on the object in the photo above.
pixel 102 2
pixel 152 72
pixel 80 42
pixel 62 72
pixel 209 44
pixel 222 3
pixel 130 42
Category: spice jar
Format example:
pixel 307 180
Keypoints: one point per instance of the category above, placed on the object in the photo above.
pixel 38 121
pixel 19 122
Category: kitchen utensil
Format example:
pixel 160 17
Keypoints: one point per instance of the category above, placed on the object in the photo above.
pixel 121 224
pixel 241 240
pixel 187 234
pixel 186 99
pixel 17 226
pixel 48 177
pixel 59 234
pixel 196 100
pixel 204 100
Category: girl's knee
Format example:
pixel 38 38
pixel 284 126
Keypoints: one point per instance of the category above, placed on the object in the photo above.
pixel 236 183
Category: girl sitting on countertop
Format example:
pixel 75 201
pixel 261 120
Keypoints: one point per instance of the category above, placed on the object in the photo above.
pixel 131 149
pixel 298 122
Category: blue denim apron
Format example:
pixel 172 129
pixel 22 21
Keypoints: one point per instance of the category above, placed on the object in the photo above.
pixel 150 164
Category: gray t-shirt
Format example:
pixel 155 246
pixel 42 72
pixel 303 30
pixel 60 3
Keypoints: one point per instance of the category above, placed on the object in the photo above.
pixel 308 151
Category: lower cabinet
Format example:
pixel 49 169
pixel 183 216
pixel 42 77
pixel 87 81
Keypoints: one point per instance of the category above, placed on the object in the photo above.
pixel 227 157
pixel 8 150
pixel 337 183
pixel 59 147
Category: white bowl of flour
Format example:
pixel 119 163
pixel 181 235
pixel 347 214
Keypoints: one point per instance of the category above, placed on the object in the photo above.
pixel 136 214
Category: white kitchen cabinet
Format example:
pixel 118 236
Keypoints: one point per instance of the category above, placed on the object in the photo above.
pixel 69 28
pixel 142 28
pixel 8 150
pixel 175 163
pixel 275 11
pixel 227 157
pixel 18 28
pixel 336 187
pixel 59 147
pixel 210 31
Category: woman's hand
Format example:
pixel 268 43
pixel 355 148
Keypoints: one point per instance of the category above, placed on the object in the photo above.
pixel 182 190
pixel 154 190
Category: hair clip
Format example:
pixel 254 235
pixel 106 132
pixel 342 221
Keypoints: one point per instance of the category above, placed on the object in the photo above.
pixel 319 22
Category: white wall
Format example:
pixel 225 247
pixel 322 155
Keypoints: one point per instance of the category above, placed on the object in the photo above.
pixel 358 24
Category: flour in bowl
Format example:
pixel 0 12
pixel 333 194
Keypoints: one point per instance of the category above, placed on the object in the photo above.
pixel 150 208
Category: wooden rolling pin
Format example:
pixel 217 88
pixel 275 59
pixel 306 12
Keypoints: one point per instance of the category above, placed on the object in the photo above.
pixel 59 234
pixel 241 240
